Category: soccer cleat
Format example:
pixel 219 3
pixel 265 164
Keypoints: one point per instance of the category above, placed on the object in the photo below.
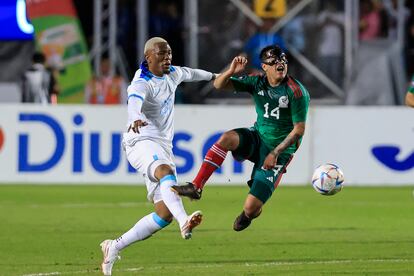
pixel 110 255
pixel 188 190
pixel 241 222
pixel 193 221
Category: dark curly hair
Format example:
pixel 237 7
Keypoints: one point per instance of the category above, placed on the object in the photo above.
pixel 270 51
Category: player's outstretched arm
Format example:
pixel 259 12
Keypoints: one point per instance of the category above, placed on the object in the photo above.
pixel 237 65
pixel 409 99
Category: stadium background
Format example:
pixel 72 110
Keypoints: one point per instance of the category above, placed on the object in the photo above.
pixel 357 122
pixel 76 35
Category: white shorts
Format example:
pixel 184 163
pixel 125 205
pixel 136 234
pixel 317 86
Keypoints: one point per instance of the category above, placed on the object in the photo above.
pixel 145 156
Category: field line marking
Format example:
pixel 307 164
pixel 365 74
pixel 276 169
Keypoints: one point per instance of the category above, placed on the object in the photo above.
pixel 239 264
pixel 94 205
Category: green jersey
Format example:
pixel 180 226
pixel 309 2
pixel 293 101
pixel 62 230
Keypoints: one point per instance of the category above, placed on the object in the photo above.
pixel 411 87
pixel 277 108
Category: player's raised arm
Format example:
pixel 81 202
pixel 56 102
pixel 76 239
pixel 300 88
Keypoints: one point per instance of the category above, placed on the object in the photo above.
pixel 190 75
pixel 237 65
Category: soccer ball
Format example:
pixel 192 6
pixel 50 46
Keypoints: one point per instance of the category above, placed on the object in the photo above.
pixel 327 179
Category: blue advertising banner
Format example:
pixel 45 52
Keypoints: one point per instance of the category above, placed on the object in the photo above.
pixel 14 22
pixel 83 144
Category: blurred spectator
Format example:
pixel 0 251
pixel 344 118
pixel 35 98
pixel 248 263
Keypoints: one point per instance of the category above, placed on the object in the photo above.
pixel 166 21
pixel 330 47
pixel 294 34
pixel 39 84
pixel 384 24
pixel 370 21
pixel 261 39
pixel 106 89
pixel 392 15
pixel 390 7
pixel 409 41
pixel 126 31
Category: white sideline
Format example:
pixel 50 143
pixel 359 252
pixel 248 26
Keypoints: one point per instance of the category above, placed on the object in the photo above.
pixel 96 205
pixel 240 264
pixel 89 205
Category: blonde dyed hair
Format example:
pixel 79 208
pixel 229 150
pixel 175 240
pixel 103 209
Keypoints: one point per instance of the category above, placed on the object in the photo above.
pixel 149 45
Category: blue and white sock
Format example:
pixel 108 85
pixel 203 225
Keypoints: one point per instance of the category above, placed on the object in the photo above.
pixel 142 230
pixel 171 200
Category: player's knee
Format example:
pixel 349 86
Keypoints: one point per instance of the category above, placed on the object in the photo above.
pixel 163 170
pixel 229 140
pixel 252 206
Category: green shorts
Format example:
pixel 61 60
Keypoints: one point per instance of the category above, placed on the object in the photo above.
pixel 251 147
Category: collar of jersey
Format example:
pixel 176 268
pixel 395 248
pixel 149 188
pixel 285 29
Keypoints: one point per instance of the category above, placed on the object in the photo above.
pixel 146 74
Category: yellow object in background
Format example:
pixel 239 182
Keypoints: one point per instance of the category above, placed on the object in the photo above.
pixel 270 8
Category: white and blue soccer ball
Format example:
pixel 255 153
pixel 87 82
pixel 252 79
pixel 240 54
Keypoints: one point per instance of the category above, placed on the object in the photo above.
pixel 327 179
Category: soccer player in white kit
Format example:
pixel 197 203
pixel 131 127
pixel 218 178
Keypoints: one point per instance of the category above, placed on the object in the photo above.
pixel 148 145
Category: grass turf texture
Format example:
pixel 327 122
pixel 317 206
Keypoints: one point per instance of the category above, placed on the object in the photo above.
pixel 56 230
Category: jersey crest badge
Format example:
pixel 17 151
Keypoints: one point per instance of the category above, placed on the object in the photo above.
pixel 283 102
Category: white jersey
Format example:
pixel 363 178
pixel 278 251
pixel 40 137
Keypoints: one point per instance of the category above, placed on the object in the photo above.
pixel 156 95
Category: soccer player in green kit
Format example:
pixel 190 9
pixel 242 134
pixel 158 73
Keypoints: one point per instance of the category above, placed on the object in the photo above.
pixel 281 104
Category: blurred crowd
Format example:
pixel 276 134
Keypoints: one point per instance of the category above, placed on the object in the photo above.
pixel 317 32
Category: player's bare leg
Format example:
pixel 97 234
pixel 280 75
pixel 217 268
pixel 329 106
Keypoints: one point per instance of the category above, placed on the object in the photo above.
pixel 252 209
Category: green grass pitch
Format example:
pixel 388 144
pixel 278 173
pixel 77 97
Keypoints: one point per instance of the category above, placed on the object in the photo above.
pixel 56 230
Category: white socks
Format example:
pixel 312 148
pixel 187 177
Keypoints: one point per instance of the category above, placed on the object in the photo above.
pixel 142 230
pixel 152 223
pixel 171 200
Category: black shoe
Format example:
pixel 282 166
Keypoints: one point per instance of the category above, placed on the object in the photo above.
pixel 241 222
pixel 188 190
